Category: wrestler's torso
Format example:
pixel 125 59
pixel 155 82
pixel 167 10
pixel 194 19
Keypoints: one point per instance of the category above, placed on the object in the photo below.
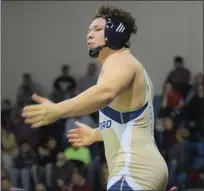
pixel 127 126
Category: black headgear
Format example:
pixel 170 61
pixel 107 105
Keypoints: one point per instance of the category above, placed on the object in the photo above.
pixel 116 36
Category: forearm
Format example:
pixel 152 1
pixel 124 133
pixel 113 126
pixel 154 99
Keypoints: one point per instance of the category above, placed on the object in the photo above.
pixel 85 103
pixel 98 135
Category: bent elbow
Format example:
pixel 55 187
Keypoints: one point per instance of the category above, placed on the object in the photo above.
pixel 109 99
pixel 109 95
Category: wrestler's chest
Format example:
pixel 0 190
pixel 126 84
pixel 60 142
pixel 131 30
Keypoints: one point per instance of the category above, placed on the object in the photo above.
pixel 122 102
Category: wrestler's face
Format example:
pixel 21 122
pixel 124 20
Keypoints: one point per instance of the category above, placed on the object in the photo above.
pixel 95 35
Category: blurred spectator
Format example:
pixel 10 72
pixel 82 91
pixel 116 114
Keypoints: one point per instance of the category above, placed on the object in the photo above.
pixel 88 81
pixel 200 182
pixel 65 83
pixel 40 187
pixel 95 167
pixel 23 164
pixel 44 167
pixel 56 96
pixel 198 80
pixel 63 170
pixel 86 119
pixel 172 101
pixel 3 172
pixel 78 183
pixel 104 177
pixel 54 130
pixel 46 159
pixel 53 149
pixel 90 78
pixel 26 90
pixel 8 143
pixel 80 156
pixel 178 155
pixel 30 159
pixel 6 112
pixel 196 179
pixel 195 112
pixel 16 113
pixel 5 184
pixel 21 130
pixel 19 170
pixel 169 136
pixel 61 185
pixel 179 77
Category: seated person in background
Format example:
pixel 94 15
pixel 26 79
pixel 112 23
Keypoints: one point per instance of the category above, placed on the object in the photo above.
pixel 178 159
pixel 29 157
pixel 56 96
pixel 47 154
pixel 20 170
pixel 65 83
pixel 26 89
pixel 3 173
pixel 89 79
pixel 44 167
pixel 63 169
pixel 169 136
pixel 172 101
pixel 86 119
pixel 53 149
pixel 6 111
pixel 195 111
pixel 5 184
pixel 40 187
pixel 198 80
pixel 179 77
pixel 78 182
pixel 104 177
pixel 8 144
pixel 80 156
pixel 21 130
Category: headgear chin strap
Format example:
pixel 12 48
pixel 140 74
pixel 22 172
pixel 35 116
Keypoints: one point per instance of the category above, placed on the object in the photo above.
pixel 94 52
pixel 116 36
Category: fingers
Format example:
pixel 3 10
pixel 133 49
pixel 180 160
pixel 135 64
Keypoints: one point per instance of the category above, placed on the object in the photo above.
pixel 33 116
pixel 28 114
pixel 73 141
pixel 39 99
pixel 73 131
pixel 32 108
pixel 78 124
pixel 72 136
pixel 38 124
pixel 34 119
pixel 77 144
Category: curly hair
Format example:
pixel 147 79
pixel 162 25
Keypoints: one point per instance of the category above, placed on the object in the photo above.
pixel 118 15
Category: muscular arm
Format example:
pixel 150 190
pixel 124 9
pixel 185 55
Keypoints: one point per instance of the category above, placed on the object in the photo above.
pixel 116 75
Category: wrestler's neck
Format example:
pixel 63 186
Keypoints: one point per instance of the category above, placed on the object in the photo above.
pixel 107 52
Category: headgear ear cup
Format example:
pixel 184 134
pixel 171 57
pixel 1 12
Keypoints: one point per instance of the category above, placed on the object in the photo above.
pixel 116 36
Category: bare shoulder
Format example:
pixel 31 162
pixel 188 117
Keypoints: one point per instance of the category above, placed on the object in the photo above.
pixel 123 60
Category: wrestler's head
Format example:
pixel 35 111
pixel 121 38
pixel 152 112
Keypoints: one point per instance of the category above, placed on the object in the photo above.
pixel 111 28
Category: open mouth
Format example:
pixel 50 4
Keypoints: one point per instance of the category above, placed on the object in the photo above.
pixel 90 45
